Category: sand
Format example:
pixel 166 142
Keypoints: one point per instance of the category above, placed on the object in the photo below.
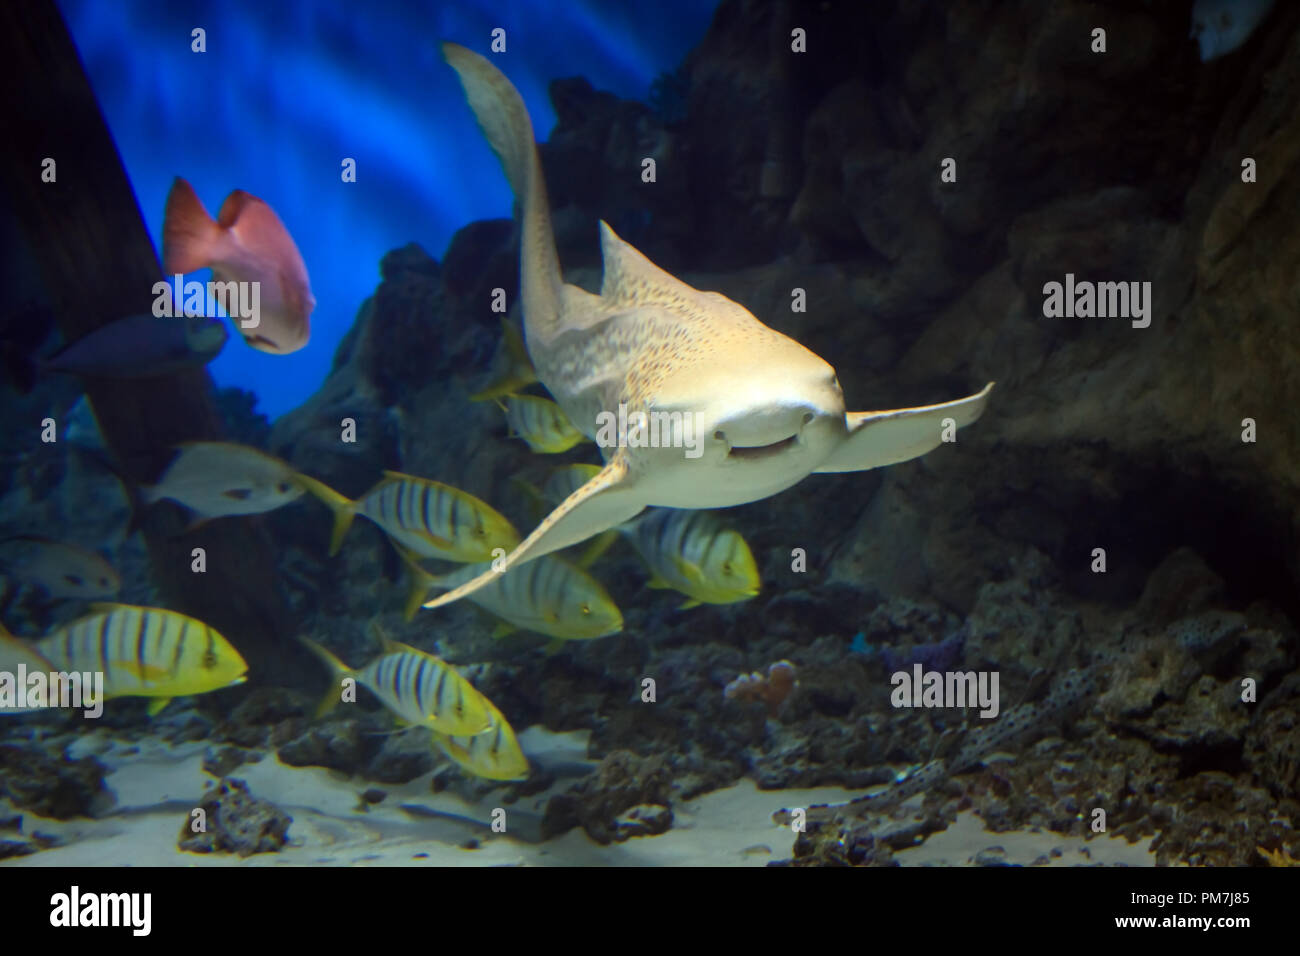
pixel 156 786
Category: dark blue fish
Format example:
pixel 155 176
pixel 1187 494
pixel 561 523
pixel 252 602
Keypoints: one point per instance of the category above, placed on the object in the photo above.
pixel 141 346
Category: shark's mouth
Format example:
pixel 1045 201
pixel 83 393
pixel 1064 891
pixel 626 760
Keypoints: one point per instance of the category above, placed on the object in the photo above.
pixel 751 452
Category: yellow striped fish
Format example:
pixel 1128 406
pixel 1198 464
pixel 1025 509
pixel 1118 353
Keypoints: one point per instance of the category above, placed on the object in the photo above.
pixel 548 595
pixel 421 689
pixel 432 519
pixel 494 755
pixel 541 423
pixel 517 370
pixel 567 479
pixel 564 482
pixel 145 652
pixel 692 552
pixel 14 653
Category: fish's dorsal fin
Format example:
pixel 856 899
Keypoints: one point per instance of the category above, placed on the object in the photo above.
pixel 380 635
pixel 235 204
pixel 392 646
pixel 632 279
pixel 105 607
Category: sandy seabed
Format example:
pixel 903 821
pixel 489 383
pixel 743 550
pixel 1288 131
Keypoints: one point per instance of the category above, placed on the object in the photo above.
pixel 156 787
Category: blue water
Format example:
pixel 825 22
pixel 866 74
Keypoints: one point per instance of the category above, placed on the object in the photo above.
pixel 286 90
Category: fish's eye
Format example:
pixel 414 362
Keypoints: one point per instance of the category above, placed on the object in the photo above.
pixel 726 567
pixel 73 579
pixel 209 661
pixel 586 609
pixel 284 487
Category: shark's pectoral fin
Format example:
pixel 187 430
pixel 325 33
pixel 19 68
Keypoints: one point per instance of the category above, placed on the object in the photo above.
pixel 886 438
pixel 608 499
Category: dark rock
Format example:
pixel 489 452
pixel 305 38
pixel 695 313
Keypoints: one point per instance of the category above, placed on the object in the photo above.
pixel 234 821
pixel 622 781
pixel 992 856
pixel 481 257
pixel 339 745
pixel 221 762
pixel 52 786
pixel 14 848
pixel 402 758
pixel 643 821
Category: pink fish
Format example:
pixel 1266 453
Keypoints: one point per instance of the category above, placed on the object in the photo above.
pixel 247 242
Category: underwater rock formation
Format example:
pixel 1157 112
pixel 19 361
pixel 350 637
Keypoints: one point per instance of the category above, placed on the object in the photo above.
pixel 52 786
pixel 235 822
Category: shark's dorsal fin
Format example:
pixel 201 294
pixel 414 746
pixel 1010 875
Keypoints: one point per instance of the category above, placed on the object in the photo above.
pixel 632 279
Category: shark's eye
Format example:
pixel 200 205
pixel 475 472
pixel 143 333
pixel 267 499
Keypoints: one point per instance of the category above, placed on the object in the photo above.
pixel 807 418
pixel 719 436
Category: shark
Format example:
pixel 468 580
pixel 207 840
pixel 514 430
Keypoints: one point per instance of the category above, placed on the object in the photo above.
pixel 768 412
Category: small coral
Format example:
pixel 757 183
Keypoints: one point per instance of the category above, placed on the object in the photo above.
pixel 773 689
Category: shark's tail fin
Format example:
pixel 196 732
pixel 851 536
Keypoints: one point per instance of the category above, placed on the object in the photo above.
pixel 504 120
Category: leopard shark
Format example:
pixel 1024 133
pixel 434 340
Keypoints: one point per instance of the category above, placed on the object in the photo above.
pixel 769 410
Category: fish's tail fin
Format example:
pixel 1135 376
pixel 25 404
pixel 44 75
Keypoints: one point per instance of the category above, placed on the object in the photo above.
pixel 344 508
pixel 190 234
pixel 338 670
pixel 501 114
pixel 599 545
pixel 422 581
